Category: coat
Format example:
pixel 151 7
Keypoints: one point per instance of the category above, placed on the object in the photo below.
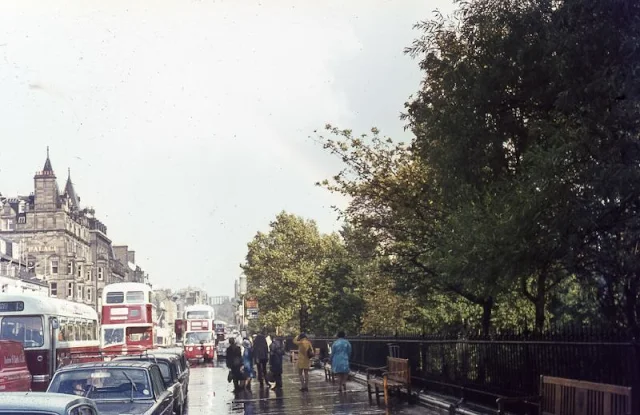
pixel 303 346
pixel 260 348
pixel 340 354
pixel 275 358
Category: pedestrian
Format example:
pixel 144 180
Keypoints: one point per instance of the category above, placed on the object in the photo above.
pixel 247 360
pixel 340 354
pixel 305 350
pixel 261 356
pixel 234 363
pixel 275 361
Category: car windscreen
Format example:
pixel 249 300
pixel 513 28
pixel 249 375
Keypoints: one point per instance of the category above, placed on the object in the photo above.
pixel 104 383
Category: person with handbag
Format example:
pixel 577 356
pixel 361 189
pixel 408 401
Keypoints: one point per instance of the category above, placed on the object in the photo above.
pixel 276 352
pixel 305 353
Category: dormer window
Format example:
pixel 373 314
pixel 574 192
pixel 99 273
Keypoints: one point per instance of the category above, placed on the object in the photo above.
pixel 22 207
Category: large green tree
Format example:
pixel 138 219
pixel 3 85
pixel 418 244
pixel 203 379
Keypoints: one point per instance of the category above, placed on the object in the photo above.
pixel 283 269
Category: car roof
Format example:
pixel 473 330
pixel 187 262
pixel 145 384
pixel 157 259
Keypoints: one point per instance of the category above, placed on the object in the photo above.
pixel 173 350
pixel 42 401
pixel 106 365
pixel 147 357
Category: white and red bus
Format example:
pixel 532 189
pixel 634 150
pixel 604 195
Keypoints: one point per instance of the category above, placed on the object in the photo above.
pixel 199 332
pixel 127 324
pixel 50 330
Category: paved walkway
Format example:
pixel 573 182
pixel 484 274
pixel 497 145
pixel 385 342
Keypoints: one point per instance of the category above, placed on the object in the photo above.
pixel 209 392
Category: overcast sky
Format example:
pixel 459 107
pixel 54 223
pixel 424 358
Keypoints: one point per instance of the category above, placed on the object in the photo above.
pixel 186 124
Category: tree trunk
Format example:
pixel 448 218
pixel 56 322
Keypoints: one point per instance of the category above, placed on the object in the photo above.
pixel 540 302
pixel 487 309
pixel 630 305
pixel 304 318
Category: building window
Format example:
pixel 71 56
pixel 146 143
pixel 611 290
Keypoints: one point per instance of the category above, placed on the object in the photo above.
pixel 70 290
pixel 88 274
pixel 79 271
pixel 54 266
pixel 22 219
pixel 53 291
pixel 22 207
pixel 79 292
pixel 88 293
pixel 10 225
pixel 100 274
pixel 69 268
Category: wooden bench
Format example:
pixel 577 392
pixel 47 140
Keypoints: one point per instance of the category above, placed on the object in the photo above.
pixel 560 396
pixel 395 377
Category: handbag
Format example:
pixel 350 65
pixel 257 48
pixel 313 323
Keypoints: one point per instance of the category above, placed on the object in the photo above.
pixel 229 377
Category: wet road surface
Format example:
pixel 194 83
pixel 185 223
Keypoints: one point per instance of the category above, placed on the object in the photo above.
pixel 210 393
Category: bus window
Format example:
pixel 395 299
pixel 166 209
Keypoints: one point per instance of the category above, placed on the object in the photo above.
pixel 137 334
pixel 62 331
pixel 26 330
pixel 198 315
pixel 113 336
pixel 135 297
pixel 91 330
pixel 115 297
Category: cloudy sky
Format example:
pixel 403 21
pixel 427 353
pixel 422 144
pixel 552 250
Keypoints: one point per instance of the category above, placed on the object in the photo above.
pixel 186 124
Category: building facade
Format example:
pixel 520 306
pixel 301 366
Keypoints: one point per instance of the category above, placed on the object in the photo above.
pixel 62 243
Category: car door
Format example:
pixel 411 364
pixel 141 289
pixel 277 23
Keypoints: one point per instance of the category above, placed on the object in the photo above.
pixel 164 397
pixel 175 369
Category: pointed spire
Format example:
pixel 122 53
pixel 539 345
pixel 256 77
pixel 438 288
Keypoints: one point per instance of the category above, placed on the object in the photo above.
pixel 71 192
pixel 47 163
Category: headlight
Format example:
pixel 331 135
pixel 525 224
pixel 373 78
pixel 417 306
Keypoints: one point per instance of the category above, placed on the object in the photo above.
pixel 190 349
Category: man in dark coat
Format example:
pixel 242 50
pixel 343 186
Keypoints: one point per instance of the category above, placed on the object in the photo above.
pixel 261 357
pixel 275 360
pixel 234 362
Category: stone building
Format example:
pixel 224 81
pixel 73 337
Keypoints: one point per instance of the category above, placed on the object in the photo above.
pixel 64 244
pixel 133 272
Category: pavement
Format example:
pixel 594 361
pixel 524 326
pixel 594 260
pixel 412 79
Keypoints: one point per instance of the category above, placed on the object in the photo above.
pixel 210 393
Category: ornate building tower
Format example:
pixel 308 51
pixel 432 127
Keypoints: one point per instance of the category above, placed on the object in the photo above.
pixel 46 188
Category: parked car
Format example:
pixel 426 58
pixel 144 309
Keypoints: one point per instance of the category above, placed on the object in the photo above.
pixel 185 371
pixel 117 387
pixel 170 368
pixel 30 403
pixel 14 373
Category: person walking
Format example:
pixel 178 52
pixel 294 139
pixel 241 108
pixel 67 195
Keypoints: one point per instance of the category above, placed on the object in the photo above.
pixel 261 356
pixel 247 360
pixel 305 349
pixel 340 354
pixel 234 363
pixel 275 361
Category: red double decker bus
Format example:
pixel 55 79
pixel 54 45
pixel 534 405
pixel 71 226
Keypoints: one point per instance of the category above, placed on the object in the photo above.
pixel 127 324
pixel 50 330
pixel 199 332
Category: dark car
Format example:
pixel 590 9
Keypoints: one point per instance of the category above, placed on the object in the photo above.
pixel 42 403
pixel 117 387
pixel 170 367
pixel 185 372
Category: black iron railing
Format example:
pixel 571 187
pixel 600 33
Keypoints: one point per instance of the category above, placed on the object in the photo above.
pixel 483 368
